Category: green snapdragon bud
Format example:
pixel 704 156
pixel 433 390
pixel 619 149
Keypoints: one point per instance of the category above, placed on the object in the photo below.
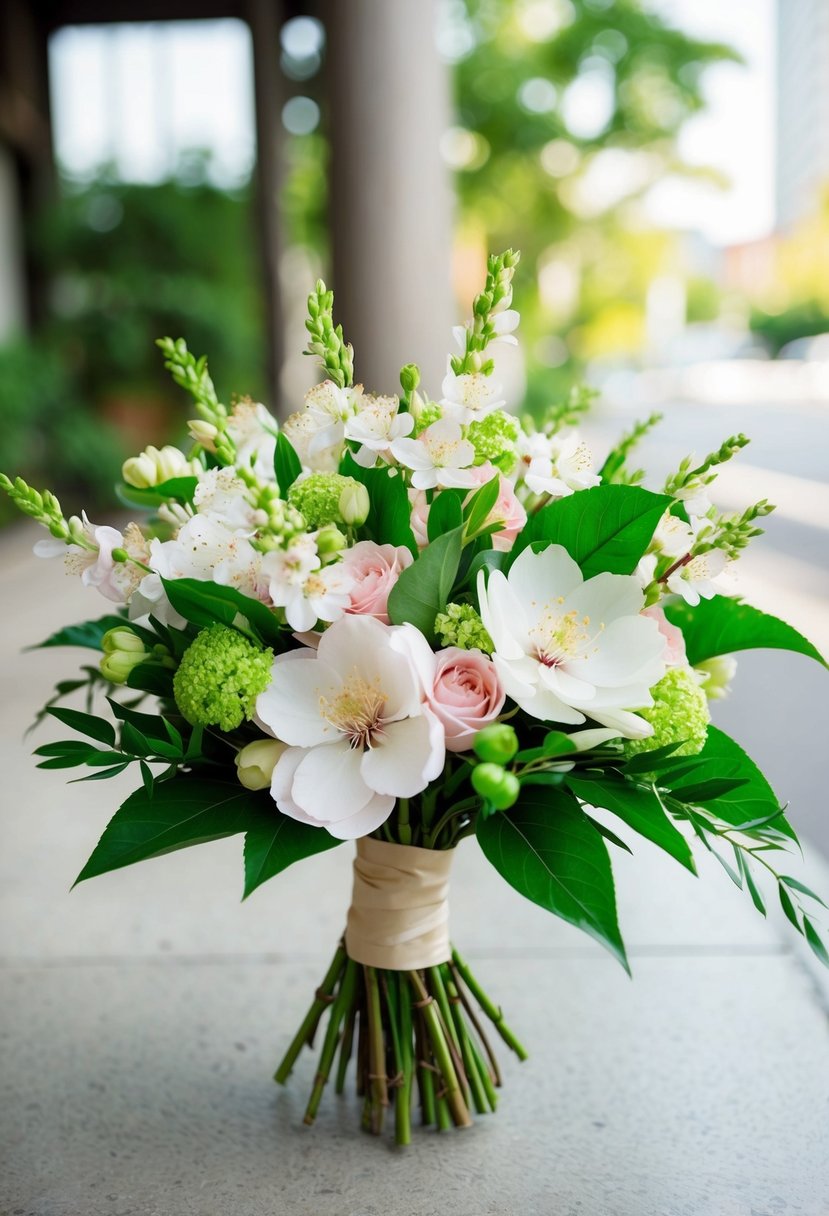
pixel 495 784
pixel 409 378
pixel 354 505
pixel 496 743
pixel 123 650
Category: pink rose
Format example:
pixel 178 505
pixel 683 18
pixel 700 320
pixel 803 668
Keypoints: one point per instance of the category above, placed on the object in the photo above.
pixel 375 569
pixel 674 655
pixel 420 517
pixel 507 509
pixel 466 695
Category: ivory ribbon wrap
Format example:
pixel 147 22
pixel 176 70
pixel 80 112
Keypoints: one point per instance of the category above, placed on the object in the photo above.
pixel 399 914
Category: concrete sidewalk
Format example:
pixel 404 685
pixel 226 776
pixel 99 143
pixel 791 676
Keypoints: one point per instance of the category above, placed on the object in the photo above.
pixel 143 1014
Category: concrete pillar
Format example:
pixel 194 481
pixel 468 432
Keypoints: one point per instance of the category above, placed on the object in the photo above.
pixel 391 202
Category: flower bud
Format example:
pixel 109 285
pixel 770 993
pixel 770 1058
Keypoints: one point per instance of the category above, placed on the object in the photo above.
pixel 409 377
pixel 139 471
pixel 330 542
pixel 123 650
pixel 497 743
pixel 716 675
pixel 154 466
pixel 354 505
pixel 203 432
pixel 256 762
pixel 495 784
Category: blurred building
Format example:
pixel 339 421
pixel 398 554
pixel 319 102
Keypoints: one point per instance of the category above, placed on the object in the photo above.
pixel 802 170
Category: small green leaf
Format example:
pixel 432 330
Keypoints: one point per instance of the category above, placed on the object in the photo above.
pixel 276 843
pixel 286 464
pixel 180 489
pixel 147 778
pixel 605 831
pixel 815 941
pixel 796 885
pixel 548 849
pixel 481 503
pixel 422 590
pixel 207 603
pixel 606 528
pixel 723 625
pixel 389 516
pixel 85 724
pixel 788 907
pixel 556 743
pixel 651 761
pixel 707 791
pixel 88 634
pixel 753 889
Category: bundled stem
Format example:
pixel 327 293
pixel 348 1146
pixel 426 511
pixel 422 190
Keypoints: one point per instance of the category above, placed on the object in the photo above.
pixel 417 1032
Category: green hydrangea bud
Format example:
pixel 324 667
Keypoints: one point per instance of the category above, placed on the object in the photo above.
pixel 354 504
pixel 219 678
pixel 318 497
pixel 494 439
pixel 460 625
pixel 123 650
pixel 496 743
pixel 679 711
pixel 495 784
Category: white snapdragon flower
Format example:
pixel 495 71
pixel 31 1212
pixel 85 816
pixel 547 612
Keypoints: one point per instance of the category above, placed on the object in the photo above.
pixel 253 429
pixel 567 648
pixel 470 396
pixel 439 457
pixel 555 465
pixel 359 732
pixel 93 560
pixel 376 425
pixel 317 432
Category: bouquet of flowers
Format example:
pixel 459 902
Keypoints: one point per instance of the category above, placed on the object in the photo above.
pixel 404 621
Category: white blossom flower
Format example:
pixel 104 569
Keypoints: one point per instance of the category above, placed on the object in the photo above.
pixel 204 549
pixel 470 396
pixel 359 732
pixel 555 465
pixel 317 432
pixel 376 425
pixel 222 497
pixel 440 456
pixel 673 537
pixel 323 595
pixel 253 429
pixel 567 648
pixel 94 562
pixel 696 579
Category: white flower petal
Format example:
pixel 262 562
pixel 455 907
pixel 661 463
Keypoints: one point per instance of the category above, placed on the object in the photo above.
pixel 409 755
pixel 290 704
pixel 373 814
pixel 629 651
pixel 503 615
pixel 328 783
pixel 605 598
pixel 539 579
pixel 282 781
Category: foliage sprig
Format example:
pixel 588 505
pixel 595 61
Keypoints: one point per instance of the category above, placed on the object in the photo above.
pixel 495 297
pixel 326 341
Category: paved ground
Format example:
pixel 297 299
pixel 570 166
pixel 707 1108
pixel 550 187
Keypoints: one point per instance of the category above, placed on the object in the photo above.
pixel 142 1015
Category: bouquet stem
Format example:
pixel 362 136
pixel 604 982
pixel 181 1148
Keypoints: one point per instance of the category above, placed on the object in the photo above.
pixel 414 1029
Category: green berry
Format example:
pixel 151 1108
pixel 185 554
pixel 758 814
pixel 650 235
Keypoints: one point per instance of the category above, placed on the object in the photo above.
pixel 497 743
pixel 495 784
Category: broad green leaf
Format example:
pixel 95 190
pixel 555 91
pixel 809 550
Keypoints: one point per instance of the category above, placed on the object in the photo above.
pixel 184 811
pixel 722 625
pixel 489 560
pixel 207 603
pixel 389 516
pixel 638 807
pixel 286 464
pixel 88 634
pixel 445 514
pixel 548 849
pixel 181 489
pixel 606 528
pixel 422 590
pixel 152 678
pixel 276 843
pixel 723 758
pixel 85 724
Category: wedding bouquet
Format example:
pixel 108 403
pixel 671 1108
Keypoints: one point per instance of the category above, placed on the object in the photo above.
pixel 406 620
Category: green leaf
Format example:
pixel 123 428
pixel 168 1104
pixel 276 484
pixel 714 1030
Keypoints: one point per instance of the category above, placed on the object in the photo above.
pixel 152 678
pixel 652 761
pixel 422 590
pixel 286 464
pixel 445 514
pixel 606 528
pixel 184 811
pixel 480 505
pixel 208 603
pixel 147 778
pixel 638 807
pixel 815 941
pixel 722 625
pixel 276 843
pixel 796 885
pixel 753 889
pixel 548 849
pixel 388 520
pixel 708 791
pixel 605 831
pixel 788 907
pixel 85 724
pixel 181 489
pixel 754 799
pixel 88 634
